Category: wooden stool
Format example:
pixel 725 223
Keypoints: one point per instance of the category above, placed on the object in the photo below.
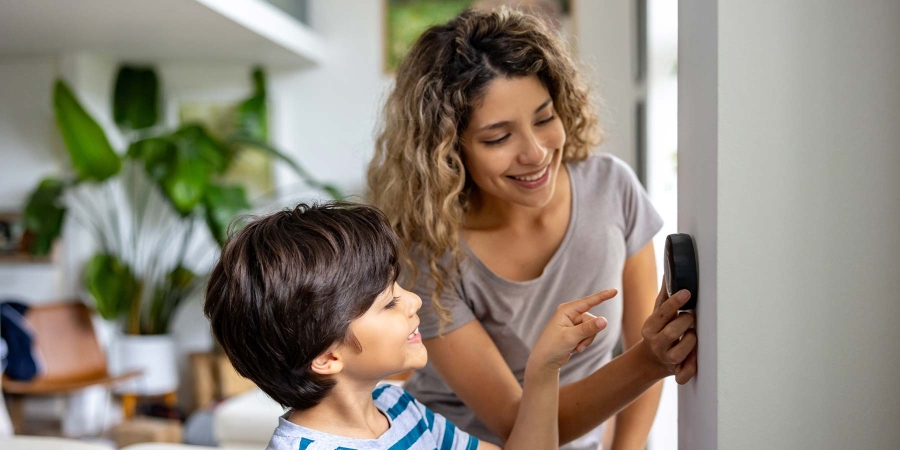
pixel 130 401
pixel 147 429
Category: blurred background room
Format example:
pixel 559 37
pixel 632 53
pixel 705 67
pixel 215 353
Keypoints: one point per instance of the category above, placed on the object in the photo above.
pixel 132 132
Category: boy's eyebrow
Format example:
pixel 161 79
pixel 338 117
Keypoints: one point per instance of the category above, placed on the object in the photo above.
pixel 387 299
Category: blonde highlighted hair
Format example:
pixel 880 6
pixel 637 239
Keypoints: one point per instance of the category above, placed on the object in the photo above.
pixel 417 176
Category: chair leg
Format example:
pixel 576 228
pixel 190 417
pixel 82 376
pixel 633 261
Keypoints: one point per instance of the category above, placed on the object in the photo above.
pixel 16 405
pixel 171 399
pixel 129 404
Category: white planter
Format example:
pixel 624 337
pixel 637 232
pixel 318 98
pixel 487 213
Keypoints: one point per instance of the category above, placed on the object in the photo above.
pixel 154 355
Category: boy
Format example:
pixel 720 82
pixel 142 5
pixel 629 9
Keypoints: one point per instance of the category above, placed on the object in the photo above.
pixel 305 303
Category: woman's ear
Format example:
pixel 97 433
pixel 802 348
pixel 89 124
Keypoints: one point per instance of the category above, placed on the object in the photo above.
pixel 329 362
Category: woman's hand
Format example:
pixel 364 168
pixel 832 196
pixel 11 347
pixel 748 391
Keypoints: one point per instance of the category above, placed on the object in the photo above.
pixel 670 337
pixel 570 330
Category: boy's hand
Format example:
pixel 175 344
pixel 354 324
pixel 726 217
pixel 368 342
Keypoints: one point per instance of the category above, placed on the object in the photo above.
pixel 570 330
pixel 670 337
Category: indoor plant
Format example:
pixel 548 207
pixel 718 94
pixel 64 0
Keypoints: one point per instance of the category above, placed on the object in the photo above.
pixel 156 210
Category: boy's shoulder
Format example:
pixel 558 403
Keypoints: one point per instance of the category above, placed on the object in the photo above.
pixel 387 395
pixel 413 426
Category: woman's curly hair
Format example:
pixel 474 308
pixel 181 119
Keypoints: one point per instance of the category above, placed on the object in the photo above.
pixel 417 176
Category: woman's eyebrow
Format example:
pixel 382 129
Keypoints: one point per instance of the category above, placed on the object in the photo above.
pixel 494 125
pixel 543 105
pixel 506 122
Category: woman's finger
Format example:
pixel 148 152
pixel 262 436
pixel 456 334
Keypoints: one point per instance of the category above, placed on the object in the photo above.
pixel 674 330
pixel 684 347
pixel 686 370
pixel 664 314
pixel 662 296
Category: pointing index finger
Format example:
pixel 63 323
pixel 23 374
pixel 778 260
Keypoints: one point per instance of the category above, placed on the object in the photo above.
pixel 576 308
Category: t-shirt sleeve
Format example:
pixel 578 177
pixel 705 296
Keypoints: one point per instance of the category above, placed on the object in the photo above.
pixel 452 298
pixel 642 221
pixel 446 435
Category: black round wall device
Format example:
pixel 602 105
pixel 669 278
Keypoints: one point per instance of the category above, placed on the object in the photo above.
pixel 681 267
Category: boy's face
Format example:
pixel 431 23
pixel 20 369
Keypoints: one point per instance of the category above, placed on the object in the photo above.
pixel 389 336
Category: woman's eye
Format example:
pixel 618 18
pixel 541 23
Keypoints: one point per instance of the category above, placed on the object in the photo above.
pixel 392 303
pixel 497 141
pixel 546 121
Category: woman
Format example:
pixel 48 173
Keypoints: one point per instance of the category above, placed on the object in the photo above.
pixel 483 166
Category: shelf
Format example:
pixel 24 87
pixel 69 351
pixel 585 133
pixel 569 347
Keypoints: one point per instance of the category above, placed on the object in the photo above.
pixel 244 31
pixel 22 258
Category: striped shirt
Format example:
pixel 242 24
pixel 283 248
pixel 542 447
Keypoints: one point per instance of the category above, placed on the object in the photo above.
pixel 412 426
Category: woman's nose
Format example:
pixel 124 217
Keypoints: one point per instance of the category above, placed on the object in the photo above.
pixel 533 153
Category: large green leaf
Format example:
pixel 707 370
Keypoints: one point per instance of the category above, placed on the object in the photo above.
pixel 253 120
pixel 156 153
pixel 185 185
pixel 112 284
pixel 247 142
pixel 194 142
pixel 92 156
pixel 135 99
pixel 223 204
pixel 182 164
pixel 181 179
pixel 167 295
pixel 44 215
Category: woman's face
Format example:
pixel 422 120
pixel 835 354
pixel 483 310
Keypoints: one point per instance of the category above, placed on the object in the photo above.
pixel 513 144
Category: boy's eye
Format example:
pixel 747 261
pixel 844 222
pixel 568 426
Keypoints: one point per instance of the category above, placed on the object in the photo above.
pixel 392 303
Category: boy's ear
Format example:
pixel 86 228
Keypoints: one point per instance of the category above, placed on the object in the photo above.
pixel 329 362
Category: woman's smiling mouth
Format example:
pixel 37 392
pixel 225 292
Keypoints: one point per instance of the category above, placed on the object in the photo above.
pixel 532 180
pixel 533 176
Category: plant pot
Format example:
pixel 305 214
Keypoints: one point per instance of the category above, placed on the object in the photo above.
pixel 154 355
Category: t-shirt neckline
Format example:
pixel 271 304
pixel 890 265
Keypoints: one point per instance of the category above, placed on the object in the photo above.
pixel 483 269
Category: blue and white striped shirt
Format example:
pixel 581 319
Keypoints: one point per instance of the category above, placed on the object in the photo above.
pixel 412 426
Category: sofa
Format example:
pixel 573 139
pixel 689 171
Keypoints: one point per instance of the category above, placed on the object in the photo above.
pixel 246 421
pixel 53 443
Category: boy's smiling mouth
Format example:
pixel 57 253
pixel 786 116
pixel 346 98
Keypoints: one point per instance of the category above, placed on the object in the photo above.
pixel 414 336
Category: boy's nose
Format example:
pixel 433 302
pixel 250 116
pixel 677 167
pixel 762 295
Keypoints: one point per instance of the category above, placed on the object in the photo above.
pixel 416 304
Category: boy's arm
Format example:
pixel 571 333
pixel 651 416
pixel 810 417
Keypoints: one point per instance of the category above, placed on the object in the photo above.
pixel 570 330
pixel 535 426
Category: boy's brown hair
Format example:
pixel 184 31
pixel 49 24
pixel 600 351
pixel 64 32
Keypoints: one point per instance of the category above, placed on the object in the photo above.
pixel 287 287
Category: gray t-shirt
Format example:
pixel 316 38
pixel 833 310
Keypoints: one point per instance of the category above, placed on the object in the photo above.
pixel 611 220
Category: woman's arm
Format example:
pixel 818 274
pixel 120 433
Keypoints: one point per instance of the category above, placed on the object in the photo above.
pixel 570 330
pixel 472 366
pixel 632 424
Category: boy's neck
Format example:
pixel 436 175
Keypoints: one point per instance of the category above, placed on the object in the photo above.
pixel 347 411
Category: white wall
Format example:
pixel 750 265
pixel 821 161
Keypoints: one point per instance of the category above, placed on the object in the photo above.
pixel 662 172
pixel 697 209
pixel 30 149
pixel 799 102
pixel 606 33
